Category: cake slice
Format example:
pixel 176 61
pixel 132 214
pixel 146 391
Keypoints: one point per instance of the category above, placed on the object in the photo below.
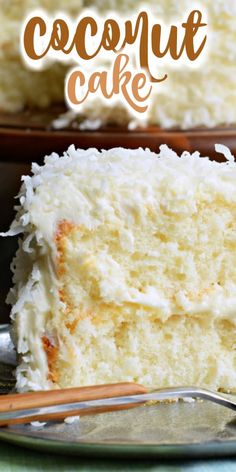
pixel 126 271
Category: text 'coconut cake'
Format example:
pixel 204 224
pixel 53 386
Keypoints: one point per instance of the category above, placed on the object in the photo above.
pixel 191 96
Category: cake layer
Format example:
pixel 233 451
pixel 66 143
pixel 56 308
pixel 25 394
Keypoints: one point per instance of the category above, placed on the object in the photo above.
pixel 127 270
pixel 140 347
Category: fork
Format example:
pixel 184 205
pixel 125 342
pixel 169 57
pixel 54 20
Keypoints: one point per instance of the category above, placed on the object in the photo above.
pixel 58 404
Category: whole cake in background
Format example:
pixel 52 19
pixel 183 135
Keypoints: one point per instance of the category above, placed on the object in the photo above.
pixel 126 271
pixel 190 98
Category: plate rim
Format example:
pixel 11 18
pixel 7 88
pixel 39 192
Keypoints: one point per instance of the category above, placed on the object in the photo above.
pixel 219 448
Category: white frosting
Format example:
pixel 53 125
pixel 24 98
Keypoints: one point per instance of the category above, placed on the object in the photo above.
pixel 72 419
pixel 91 189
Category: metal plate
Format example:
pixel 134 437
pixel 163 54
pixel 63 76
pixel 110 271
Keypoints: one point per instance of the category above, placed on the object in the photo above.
pixel 197 429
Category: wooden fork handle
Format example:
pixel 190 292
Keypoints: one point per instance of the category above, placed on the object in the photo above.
pixel 21 401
